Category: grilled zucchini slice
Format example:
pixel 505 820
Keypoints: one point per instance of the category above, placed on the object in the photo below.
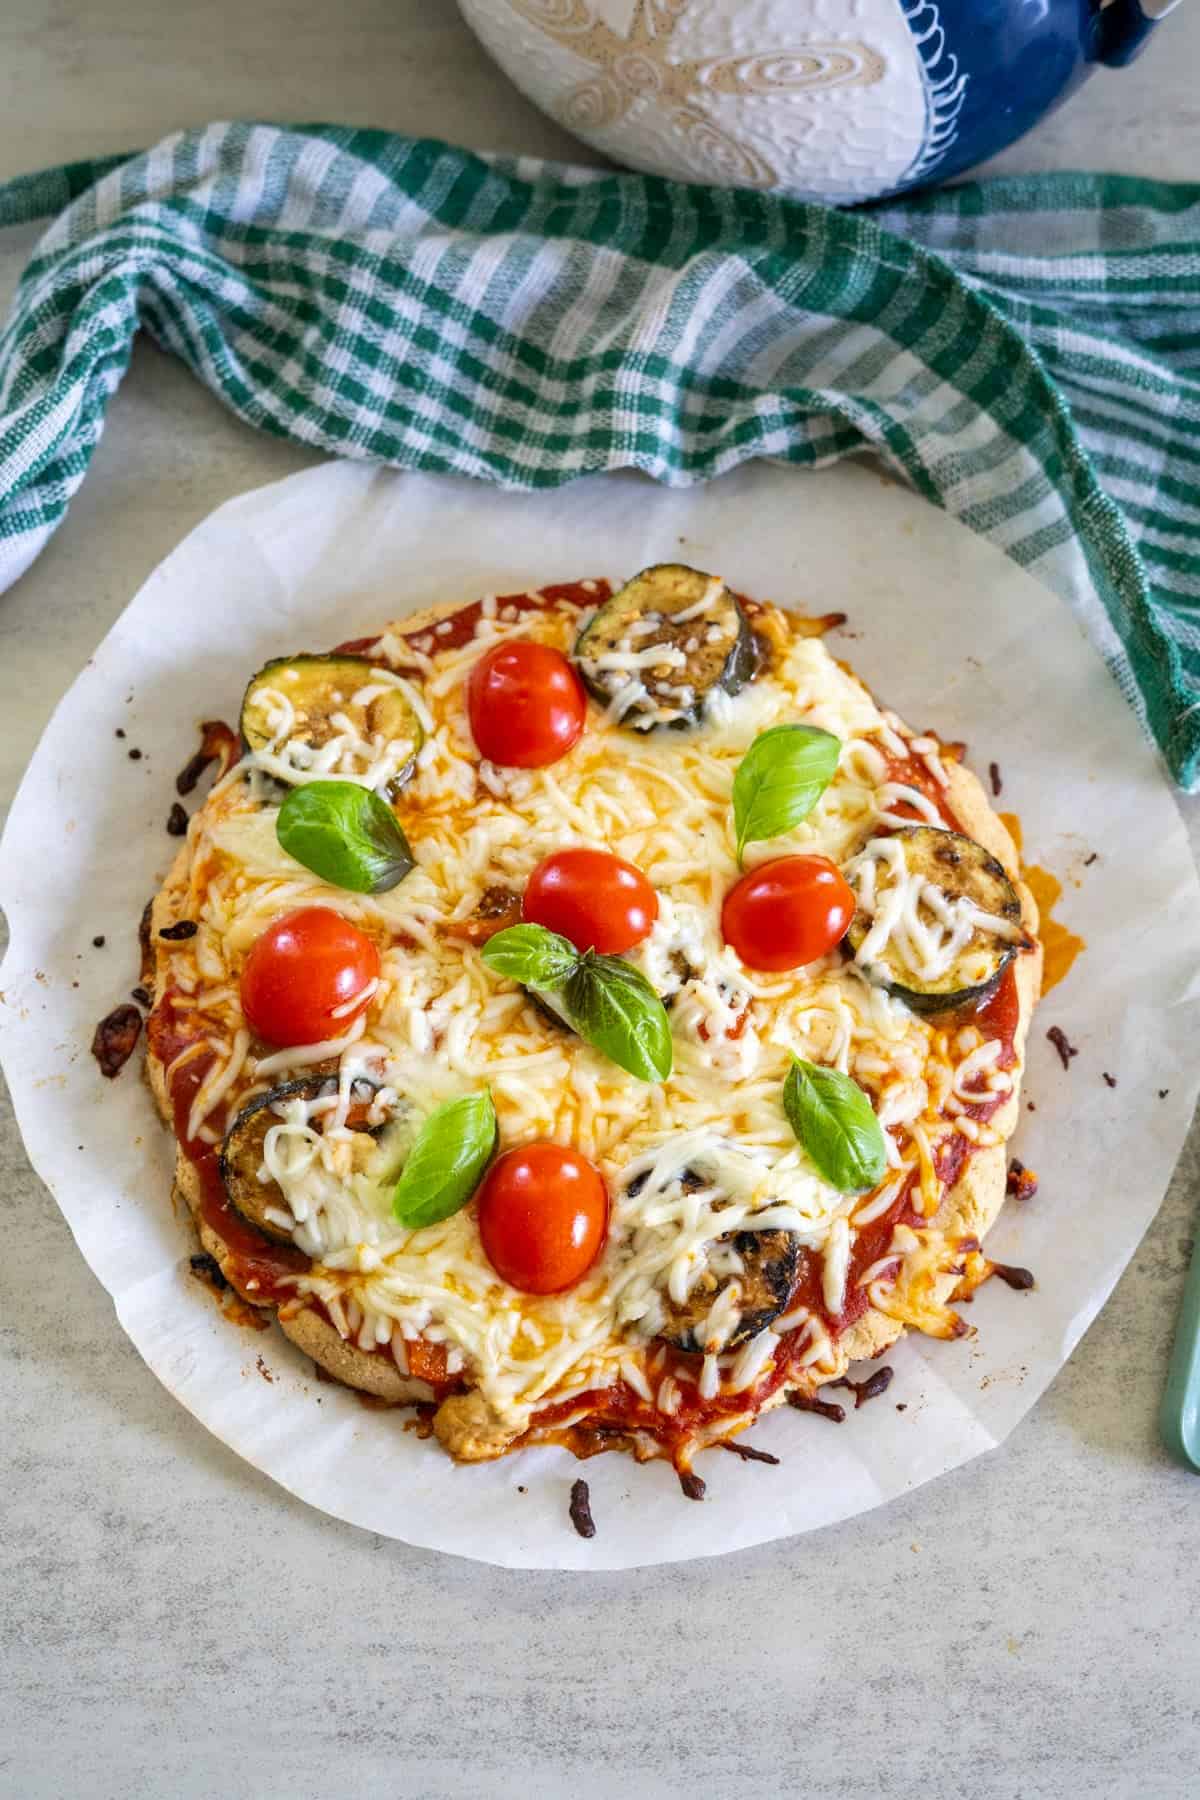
pixel 967 913
pixel 704 637
pixel 260 1202
pixel 310 718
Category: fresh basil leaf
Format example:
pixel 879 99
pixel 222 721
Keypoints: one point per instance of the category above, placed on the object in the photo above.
pixel 604 998
pixel 531 955
pixel 446 1162
pixel 780 779
pixel 345 834
pixel 613 1006
pixel 836 1123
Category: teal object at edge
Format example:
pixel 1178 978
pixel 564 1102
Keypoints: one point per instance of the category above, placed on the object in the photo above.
pixel 1179 1415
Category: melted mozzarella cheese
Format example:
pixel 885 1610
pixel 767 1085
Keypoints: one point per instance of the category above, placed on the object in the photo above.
pixel 440 1024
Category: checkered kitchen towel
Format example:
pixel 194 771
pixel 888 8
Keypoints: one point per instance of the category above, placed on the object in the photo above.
pixel 1026 353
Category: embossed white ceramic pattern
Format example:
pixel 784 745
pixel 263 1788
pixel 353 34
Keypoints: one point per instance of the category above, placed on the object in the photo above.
pixel 824 97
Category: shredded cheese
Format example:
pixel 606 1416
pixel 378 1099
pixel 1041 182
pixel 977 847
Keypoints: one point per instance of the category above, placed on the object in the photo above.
pixel 690 1163
pixel 927 929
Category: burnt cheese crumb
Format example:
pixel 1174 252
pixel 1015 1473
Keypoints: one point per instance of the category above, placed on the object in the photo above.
pixel 114 1039
pixel 875 1384
pixel 1021 1183
pixel 206 1269
pixel 1062 1044
pixel 184 928
pixel 217 743
pixel 1107 1079
pixel 581 1510
pixel 191 772
pixel 748 1453
pixel 828 1409
pixel 144 934
pixel 177 821
pixel 994 778
pixel 1013 1277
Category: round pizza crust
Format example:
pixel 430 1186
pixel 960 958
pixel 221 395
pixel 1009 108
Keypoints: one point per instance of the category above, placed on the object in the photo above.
pixel 463 1421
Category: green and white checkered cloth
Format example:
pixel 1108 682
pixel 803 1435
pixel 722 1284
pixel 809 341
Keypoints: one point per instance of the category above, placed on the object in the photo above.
pixel 1025 353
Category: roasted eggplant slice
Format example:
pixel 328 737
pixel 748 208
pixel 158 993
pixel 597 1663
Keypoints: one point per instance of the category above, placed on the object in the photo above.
pixel 314 717
pixel 762 1268
pixel 701 635
pixel 937 920
pixel 770 1264
pixel 261 1203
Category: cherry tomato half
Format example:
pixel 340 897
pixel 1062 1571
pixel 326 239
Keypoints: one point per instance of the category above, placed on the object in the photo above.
pixel 543 1213
pixel 303 974
pixel 787 912
pixel 593 898
pixel 526 704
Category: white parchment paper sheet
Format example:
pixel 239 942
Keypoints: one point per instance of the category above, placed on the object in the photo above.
pixel 944 628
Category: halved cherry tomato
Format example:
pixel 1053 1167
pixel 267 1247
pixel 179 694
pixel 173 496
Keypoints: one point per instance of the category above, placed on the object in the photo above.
pixel 526 704
pixel 543 1213
pixel 592 897
pixel 787 912
pixel 302 976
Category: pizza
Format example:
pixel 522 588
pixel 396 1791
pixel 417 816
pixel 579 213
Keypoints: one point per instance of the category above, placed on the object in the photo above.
pixel 590 1016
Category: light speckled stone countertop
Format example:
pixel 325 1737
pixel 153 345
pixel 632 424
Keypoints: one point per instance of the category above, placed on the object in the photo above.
pixel 171 1624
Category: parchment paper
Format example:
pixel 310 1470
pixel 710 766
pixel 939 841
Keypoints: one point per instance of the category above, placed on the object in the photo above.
pixel 945 629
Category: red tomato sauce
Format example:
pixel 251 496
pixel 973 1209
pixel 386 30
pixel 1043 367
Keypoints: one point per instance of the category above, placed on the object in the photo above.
pixel 256 1267
pixel 427 1362
pixel 1000 1014
pixel 911 771
pixel 463 622
pixel 998 1017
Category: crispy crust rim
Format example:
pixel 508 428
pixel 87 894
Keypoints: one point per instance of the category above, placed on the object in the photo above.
pixel 970 1207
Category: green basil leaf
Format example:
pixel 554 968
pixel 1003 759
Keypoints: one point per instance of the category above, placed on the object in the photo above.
pixel 613 1006
pixel 531 955
pixel 836 1123
pixel 345 834
pixel 446 1163
pixel 780 779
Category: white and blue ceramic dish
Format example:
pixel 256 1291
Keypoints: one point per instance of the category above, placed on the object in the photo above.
pixel 839 100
